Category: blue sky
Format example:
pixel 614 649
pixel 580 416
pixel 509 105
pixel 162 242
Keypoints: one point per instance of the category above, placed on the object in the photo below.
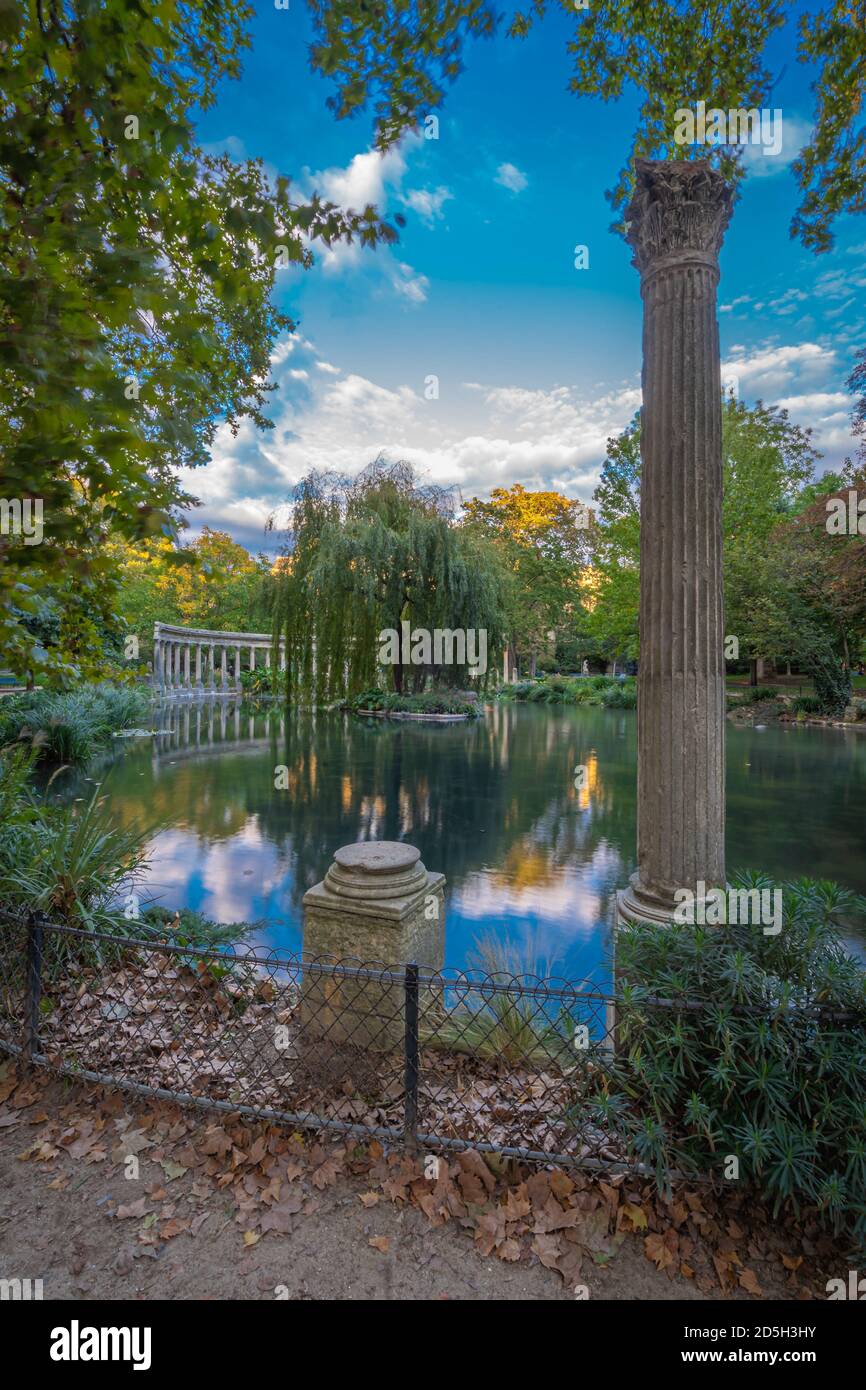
pixel 537 362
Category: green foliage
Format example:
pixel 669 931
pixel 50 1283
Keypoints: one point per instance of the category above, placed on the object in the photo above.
pixel 831 169
pixel 135 308
pixel 361 557
pixel 265 680
pixel 400 57
pixel 770 1067
pixel 790 589
pixel 609 624
pixel 70 727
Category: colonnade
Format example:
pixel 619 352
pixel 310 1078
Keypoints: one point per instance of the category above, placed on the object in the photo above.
pixel 189 660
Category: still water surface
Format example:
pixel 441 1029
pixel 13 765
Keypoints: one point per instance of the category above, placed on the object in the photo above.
pixel 491 804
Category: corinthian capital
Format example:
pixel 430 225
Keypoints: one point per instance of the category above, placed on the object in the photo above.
pixel 678 213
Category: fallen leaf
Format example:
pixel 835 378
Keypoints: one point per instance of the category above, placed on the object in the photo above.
pixel 636 1216
pixel 172 1170
pixel 657 1251
pixel 749 1282
pixel 546 1247
pixel 381 1243
pixel 132 1210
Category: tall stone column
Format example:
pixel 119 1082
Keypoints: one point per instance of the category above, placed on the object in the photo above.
pixel 677 219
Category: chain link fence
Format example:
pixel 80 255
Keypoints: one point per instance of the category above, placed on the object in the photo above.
pixel 434 1060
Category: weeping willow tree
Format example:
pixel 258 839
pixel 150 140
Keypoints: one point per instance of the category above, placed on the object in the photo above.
pixel 361 558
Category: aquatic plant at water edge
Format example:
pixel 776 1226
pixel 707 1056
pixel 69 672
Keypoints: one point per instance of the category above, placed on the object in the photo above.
pixel 68 727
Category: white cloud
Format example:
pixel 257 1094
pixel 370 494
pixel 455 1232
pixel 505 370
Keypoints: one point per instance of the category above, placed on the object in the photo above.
pixel 761 162
pixel 511 177
pixel 427 202
pixel 366 179
pixel 799 379
pixel 330 419
pixel 374 178
pixel 769 371
pixel 552 437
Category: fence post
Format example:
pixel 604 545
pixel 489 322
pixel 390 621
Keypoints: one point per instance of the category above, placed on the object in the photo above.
pixel 410 1014
pixel 35 945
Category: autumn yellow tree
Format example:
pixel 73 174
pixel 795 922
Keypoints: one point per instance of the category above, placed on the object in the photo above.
pixel 543 540
pixel 213 582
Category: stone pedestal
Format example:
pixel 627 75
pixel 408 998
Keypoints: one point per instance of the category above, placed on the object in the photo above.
pixel 377 906
pixel 677 219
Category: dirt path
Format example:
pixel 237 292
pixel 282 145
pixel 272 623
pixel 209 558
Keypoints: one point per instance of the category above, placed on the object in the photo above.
pixel 106 1197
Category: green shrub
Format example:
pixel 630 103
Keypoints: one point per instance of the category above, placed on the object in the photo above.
pixel 368 699
pixel 73 863
pixel 769 1068
pixel 428 702
pixel 431 702
pixel 620 697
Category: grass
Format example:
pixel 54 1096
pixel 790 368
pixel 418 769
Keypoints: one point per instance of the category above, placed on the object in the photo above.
pixel 505 1026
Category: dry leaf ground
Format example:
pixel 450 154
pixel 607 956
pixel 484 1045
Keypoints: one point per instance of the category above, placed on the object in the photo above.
pixel 220 1209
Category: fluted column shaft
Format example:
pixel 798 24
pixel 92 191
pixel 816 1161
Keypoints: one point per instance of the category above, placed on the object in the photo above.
pixel 676 223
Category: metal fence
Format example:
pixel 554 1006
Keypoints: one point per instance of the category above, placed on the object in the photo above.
pixel 437 1060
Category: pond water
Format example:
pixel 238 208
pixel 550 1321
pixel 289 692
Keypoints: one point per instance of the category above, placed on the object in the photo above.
pixel 490 803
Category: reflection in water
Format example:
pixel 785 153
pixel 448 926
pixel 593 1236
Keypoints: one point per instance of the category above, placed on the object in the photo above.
pixel 492 804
